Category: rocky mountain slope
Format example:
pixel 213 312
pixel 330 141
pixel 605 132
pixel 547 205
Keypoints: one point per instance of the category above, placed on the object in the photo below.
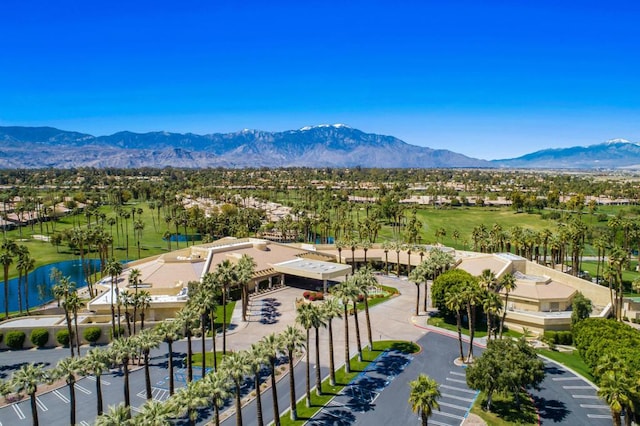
pixel 317 146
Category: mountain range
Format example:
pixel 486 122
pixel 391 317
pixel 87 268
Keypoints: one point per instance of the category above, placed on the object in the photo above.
pixel 325 145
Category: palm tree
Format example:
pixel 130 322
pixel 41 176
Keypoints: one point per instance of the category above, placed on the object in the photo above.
pixel 145 341
pixel 186 318
pixel 95 362
pixel 226 275
pixel 365 279
pixel 613 391
pixel 236 364
pixel 273 346
pixel 508 284
pixel 245 269
pixel 292 340
pixel 257 358
pixel 188 400
pixel 73 303
pixel 492 305
pixel 155 413
pixel 27 379
pixel 471 295
pixel 343 292
pixel 488 280
pixel 66 369
pixel 424 397
pixel 134 281
pixel 169 331
pixel 417 276
pixel 6 259
pixel 216 385
pixel 118 415
pixel 27 265
pixel 113 269
pixel 332 309
pixel 199 303
pixel 62 289
pixel 454 302
pixel 142 302
pixel 121 352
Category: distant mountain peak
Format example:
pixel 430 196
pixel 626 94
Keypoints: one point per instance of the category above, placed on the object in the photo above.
pixel 617 140
pixel 320 126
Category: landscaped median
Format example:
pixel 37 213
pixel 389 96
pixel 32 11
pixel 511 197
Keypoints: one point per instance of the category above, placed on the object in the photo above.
pixel 343 379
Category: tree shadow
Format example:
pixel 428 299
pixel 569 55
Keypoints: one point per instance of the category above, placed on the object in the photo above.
pixel 506 408
pixel 553 410
pixel 6 369
pixel 333 417
pixel 405 347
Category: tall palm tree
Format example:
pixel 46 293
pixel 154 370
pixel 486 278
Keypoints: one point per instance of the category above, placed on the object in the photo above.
pixel 200 304
pixel 67 369
pixel 169 331
pixel 454 302
pixel 216 385
pixel 492 305
pixel 117 415
pixel 292 340
pixel 74 303
pixel 95 362
pixel 226 275
pixel 417 277
pixel 27 379
pixel 186 318
pixel 236 364
pixel 142 302
pixel 273 346
pixel 113 269
pixel 424 397
pixel 488 280
pixel 331 309
pixel 145 341
pixel 155 413
pixel 62 290
pixel 508 284
pixel 135 281
pixel 304 317
pixel 121 352
pixel 471 294
pixel 189 400
pixel 344 292
pixel 245 269
pixel 6 259
pixel 365 280
pixel 26 264
pixel 257 358
pixel 614 391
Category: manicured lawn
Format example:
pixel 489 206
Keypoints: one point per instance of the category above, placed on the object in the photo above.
pixel 343 379
pixel 627 275
pixel 504 410
pixel 572 360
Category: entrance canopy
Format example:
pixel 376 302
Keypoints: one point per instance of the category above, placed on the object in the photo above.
pixel 314 269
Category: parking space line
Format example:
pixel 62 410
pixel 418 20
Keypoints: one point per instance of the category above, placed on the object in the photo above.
pixel 599 416
pixel 577 387
pixel 457 407
pixel 61 396
pixel 456 380
pixel 458 389
pixel 459 398
pixel 455 373
pixel 93 379
pixel 40 405
pixel 82 389
pixel 19 412
pixel 84 423
pixel 453 416
pixel 585 396
pixel 604 407
pixel 564 379
pixel 437 423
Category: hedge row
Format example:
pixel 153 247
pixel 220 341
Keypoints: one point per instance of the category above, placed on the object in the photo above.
pixel 559 337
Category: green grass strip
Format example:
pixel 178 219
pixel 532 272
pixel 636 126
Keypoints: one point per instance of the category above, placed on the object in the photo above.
pixel 573 360
pixel 343 379
pixel 504 410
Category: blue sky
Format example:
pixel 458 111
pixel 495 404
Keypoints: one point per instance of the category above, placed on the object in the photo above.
pixel 489 79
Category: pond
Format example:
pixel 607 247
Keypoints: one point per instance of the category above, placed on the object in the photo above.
pixel 40 283
pixel 182 238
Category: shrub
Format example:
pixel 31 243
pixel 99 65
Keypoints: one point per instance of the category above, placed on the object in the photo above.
pixel 565 338
pixel 63 337
pixel 306 294
pixel 15 339
pixel 121 328
pixel 311 297
pixel 319 295
pixel 551 337
pixel 92 334
pixel 39 337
